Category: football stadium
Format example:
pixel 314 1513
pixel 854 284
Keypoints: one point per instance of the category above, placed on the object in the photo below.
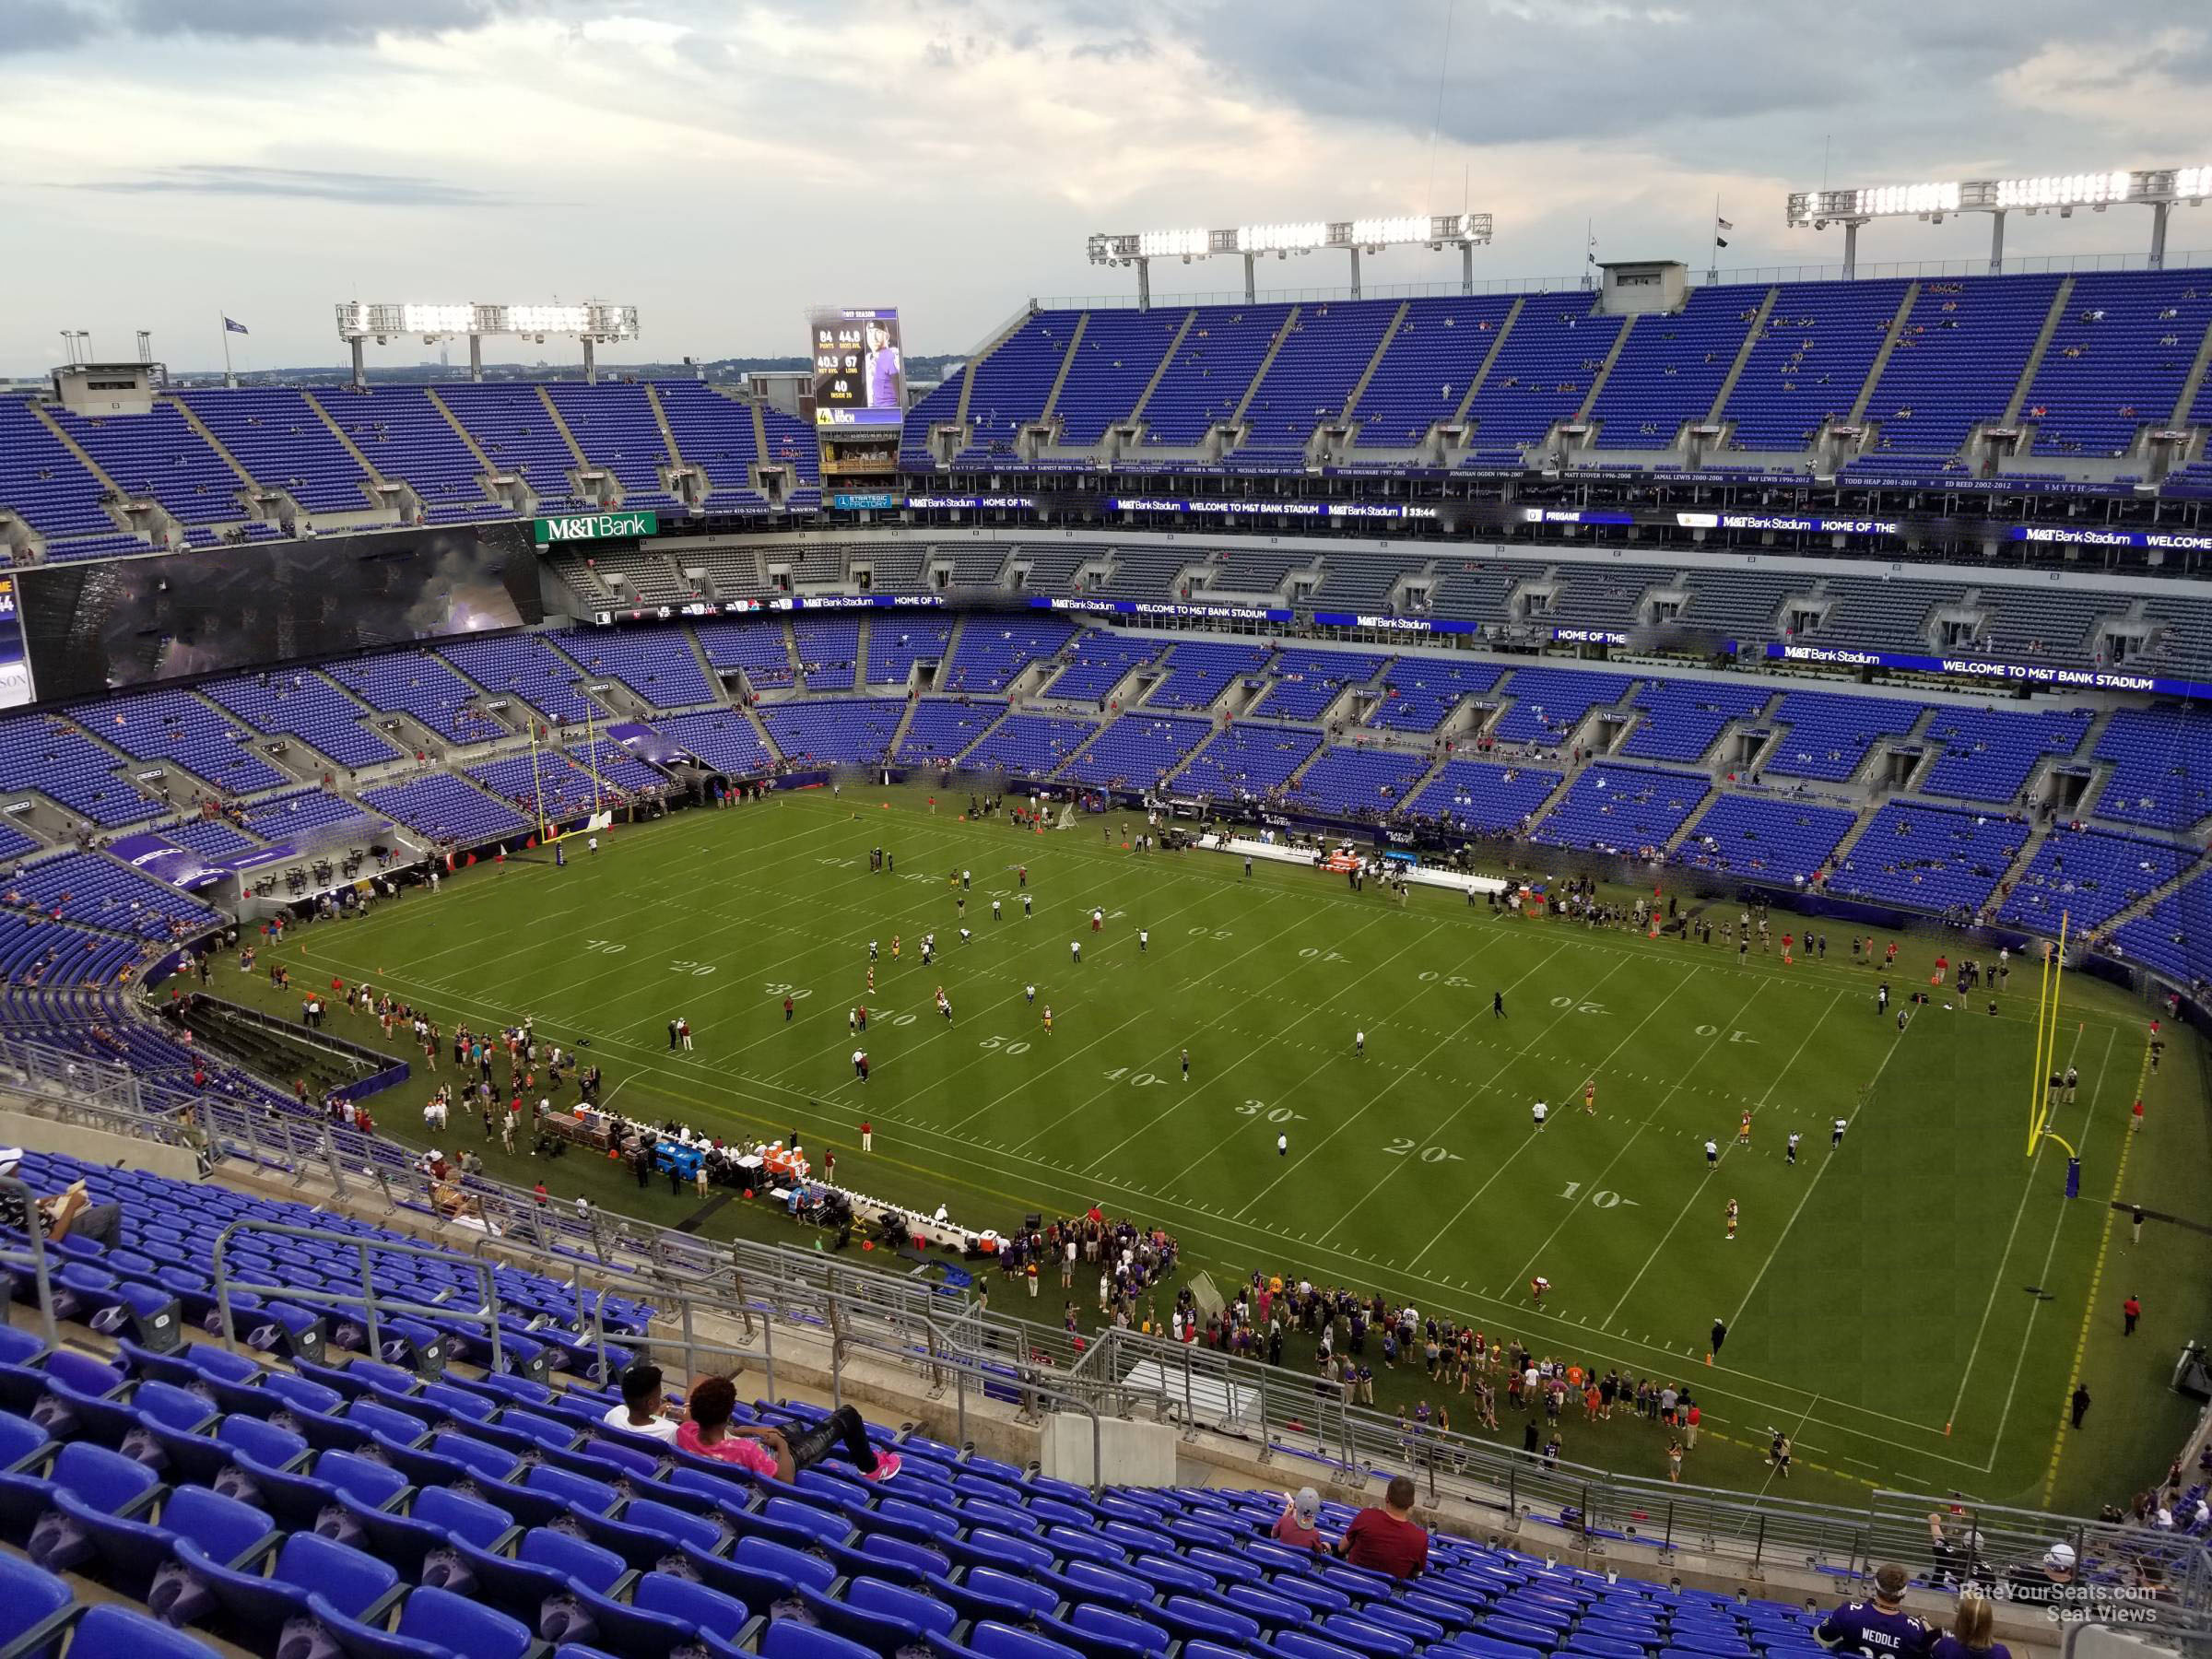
pixel 1471 968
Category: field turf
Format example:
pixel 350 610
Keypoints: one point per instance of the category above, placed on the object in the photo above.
pixel 1912 1307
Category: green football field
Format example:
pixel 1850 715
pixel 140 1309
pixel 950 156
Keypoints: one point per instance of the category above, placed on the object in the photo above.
pixel 1914 1306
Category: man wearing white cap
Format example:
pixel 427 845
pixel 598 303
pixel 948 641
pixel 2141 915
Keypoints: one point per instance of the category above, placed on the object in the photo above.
pixel 2051 1584
pixel 73 1212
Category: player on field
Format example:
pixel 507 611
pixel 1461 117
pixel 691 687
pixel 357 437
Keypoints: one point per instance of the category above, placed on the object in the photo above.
pixel 1835 1137
pixel 1590 1097
pixel 1075 950
pixel 1024 905
pixel 1029 994
pixel 1536 1287
pixel 872 952
pixel 1098 920
pixel 1712 1155
pixel 1187 1066
pixel 1538 1112
pixel 1731 1213
pixel 894 947
pixel 1791 1155
pixel 1359 1044
pixel 1743 1129
pixel 1282 1146
pixel 1048 1019
pixel 1144 939
pixel 965 936
pixel 994 916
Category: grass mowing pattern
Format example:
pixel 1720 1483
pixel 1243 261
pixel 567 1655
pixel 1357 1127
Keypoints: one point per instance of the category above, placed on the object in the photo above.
pixel 1923 1275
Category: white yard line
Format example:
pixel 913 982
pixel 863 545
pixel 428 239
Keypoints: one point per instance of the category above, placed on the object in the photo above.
pixel 2005 1257
pixel 1530 1140
pixel 1266 1041
pixel 1690 1202
pixel 1806 1197
pixel 1449 1294
pixel 1299 1161
pixel 951 959
pixel 1029 1083
pixel 2028 1336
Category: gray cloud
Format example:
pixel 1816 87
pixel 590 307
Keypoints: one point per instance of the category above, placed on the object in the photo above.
pixel 52 25
pixel 354 189
pixel 1126 49
pixel 43 26
pixel 1723 84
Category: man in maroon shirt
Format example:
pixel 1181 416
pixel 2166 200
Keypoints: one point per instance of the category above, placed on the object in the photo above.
pixel 1388 1539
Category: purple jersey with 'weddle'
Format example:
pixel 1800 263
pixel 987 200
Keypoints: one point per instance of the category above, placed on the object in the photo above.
pixel 1863 1627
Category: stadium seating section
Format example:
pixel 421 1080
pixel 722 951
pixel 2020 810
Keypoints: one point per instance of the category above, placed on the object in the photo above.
pixel 198 1493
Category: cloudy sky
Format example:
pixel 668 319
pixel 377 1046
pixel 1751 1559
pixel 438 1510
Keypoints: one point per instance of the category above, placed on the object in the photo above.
pixel 724 165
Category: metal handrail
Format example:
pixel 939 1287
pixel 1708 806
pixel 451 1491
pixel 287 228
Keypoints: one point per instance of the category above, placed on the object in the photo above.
pixel 15 1187
pixel 486 1316
pixel 1273 1406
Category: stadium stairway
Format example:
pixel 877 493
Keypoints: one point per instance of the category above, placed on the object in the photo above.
pixel 1868 812
pixel 2035 352
pixel 760 730
pixel 1898 324
pixel 861 635
pixel 361 456
pixel 1159 372
pixel 706 666
pixel 222 452
pixel 1489 360
pixel 469 438
pixel 1351 402
pixel 1742 355
pixel 515 718
pixel 660 419
pixel 1274 347
pixel 2143 907
pixel 906 719
pixel 1605 369
pixel 545 398
pixel 2191 386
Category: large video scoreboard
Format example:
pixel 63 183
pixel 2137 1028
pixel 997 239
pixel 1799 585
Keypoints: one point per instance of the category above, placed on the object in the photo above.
pixel 859 368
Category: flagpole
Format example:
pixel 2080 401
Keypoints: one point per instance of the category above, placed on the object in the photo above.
pixel 223 326
pixel 1713 264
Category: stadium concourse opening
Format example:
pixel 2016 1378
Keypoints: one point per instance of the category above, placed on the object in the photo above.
pixel 1778 1152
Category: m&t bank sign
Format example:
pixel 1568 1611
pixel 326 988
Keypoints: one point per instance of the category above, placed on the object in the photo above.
pixel 592 527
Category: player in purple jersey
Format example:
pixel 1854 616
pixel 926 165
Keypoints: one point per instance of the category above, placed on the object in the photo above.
pixel 883 368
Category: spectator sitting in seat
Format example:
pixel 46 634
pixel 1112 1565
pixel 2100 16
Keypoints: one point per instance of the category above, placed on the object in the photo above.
pixel 769 1452
pixel 639 1412
pixel 1295 1526
pixel 1388 1539
pixel 72 1212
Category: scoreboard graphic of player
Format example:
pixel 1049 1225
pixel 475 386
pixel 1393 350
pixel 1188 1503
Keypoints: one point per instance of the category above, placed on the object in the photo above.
pixel 859 368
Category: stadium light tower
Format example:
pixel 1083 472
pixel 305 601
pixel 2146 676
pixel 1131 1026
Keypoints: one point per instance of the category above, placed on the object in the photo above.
pixel 360 321
pixel 2161 189
pixel 1465 231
